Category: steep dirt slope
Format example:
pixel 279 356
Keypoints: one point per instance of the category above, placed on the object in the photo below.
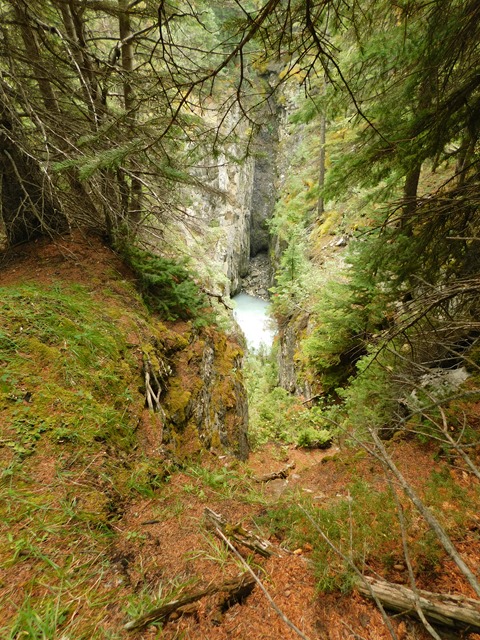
pixel 102 501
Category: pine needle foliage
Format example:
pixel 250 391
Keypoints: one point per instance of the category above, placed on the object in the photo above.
pixel 167 285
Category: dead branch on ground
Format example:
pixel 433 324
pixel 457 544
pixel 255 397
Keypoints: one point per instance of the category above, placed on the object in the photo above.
pixel 283 473
pixel 449 610
pixel 154 384
pixel 236 588
pixel 237 533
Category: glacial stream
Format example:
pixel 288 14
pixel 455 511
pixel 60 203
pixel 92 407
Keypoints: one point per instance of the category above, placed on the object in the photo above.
pixel 251 315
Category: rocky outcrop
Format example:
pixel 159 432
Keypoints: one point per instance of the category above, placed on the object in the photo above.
pixel 286 358
pixel 220 205
pixel 203 400
pixel 231 202
pixel 291 370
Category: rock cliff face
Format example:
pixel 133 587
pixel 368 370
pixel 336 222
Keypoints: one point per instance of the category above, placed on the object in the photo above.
pixel 221 204
pixel 264 185
pixel 203 400
pixel 291 376
pixel 233 201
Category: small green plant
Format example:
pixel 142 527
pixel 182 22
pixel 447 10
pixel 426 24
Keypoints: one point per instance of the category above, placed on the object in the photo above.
pixel 355 525
pixel 37 620
pixel 147 477
pixel 146 599
pixel 276 414
pixel 136 536
pixel 217 551
pixel 312 438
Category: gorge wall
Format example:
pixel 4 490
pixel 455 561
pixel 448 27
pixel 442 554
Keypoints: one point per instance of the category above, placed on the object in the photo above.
pixel 235 202
pixel 232 201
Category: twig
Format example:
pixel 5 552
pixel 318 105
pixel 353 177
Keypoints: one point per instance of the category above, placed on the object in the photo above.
pixel 277 610
pixel 283 473
pixel 355 569
pixel 456 445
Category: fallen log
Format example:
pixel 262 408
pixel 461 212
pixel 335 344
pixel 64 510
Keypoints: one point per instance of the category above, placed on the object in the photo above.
pixel 283 473
pixel 236 589
pixel 457 612
pixel 239 534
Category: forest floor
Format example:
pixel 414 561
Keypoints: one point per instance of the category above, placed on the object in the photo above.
pixel 180 545
pixel 66 575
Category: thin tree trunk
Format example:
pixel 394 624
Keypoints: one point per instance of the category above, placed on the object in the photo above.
pixel 410 189
pixel 30 42
pixel 77 49
pixel 431 520
pixel 127 58
pixel 321 171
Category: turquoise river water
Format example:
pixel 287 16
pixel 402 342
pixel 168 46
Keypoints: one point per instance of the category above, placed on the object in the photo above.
pixel 251 315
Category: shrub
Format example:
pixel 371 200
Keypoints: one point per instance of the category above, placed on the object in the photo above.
pixel 167 286
pixel 312 438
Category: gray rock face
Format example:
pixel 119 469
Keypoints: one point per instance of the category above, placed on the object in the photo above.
pixel 221 207
pixel 286 365
pixel 439 384
pixel 290 378
pixel 218 416
pixel 231 205
pixel 264 186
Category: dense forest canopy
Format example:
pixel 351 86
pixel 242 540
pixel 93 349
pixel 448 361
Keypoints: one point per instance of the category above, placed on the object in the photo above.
pixel 108 107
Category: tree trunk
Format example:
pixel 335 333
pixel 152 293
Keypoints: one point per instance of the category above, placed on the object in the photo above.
pixel 74 28
pixel 410 192
pixel 321 171
pixel 41 75
pixel 28 205
pixel 127 54
pixel 452 611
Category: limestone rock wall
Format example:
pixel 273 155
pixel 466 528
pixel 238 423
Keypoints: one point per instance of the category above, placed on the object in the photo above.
pixel 221 206
pixel 292 376
pixel 264 185
pixel 231 203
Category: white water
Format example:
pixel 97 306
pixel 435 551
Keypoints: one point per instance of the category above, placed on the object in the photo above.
pixel 251 315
